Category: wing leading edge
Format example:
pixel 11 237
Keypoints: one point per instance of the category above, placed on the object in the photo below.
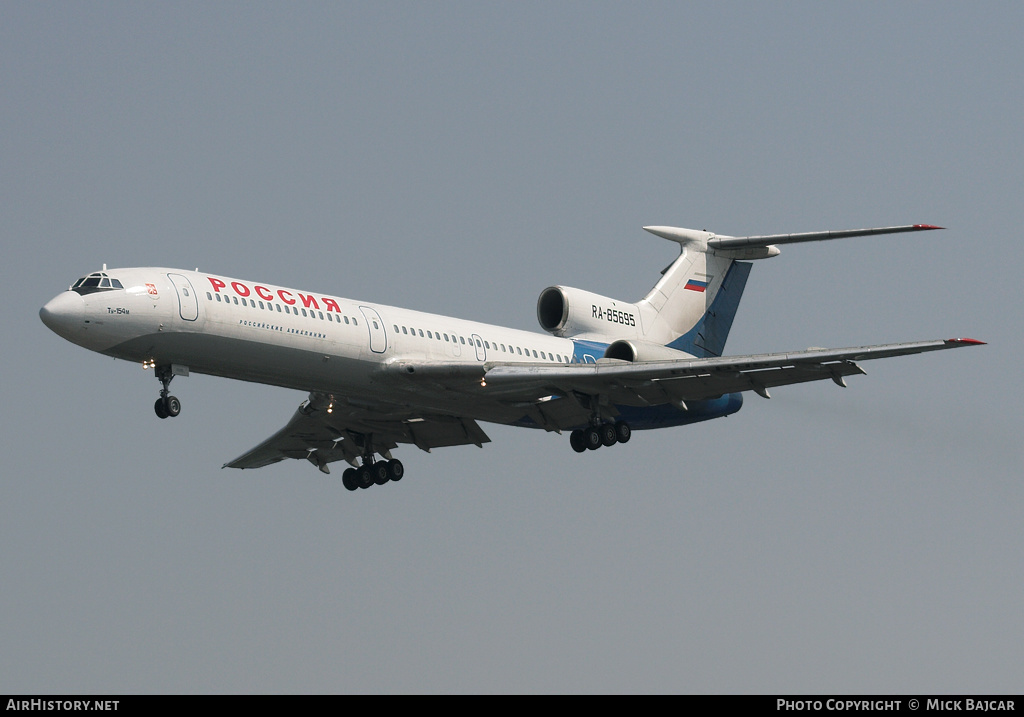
pixel 657 382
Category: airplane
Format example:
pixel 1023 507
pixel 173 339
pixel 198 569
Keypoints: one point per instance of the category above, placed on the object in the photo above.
pixel 378 376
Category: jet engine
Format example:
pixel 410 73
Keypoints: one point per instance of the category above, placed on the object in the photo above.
pixel 564 311
pixel 634 350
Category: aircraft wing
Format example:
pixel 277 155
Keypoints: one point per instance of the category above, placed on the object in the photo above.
pixel 556 396
pixel 652 383
pixel 323 436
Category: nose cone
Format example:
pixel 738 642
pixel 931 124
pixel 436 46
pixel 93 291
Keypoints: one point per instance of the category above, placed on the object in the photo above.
pixel 64 314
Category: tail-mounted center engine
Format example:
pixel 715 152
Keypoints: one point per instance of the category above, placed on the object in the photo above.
pixel 634 350
pixel 564 311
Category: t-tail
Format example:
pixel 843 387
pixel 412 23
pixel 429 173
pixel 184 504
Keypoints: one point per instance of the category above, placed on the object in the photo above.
pixel 691 309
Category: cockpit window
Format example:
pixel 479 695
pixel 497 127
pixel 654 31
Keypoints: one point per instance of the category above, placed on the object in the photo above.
pixel 97 281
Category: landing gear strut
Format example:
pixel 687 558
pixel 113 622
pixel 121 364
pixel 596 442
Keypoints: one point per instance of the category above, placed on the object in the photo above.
pixel 167 405
pixel 372 472
pixel 600 434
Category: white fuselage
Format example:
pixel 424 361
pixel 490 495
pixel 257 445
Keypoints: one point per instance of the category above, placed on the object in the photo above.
pixel 285 337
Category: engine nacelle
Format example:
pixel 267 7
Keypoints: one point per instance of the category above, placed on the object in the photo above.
pixel 635 350
pixel 564 311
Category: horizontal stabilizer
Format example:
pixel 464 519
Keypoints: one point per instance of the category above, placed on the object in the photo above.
pixel 775 239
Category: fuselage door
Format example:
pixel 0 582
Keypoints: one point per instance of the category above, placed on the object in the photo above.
pixel 481 354
pixel 378 337
pixel 188 305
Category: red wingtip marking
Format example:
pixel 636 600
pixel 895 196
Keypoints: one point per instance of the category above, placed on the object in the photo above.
pixel 970 342
pixel 927 226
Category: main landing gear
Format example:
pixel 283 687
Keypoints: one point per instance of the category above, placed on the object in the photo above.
pixel 372 472
pixel 376 473
pixel 167 405
pixel 601 434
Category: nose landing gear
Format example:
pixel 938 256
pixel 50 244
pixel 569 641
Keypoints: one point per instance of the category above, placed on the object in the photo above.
pixel 168 406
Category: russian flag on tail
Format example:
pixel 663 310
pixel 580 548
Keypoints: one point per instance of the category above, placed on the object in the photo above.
pixel 696 285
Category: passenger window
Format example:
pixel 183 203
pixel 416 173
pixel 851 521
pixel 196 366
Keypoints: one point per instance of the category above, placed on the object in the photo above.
pixel 396 328
pixel 446 337
pixel 519 351
pixel 321 315
pixel 375 325
pixel 346 321
pixel 405 330
pixel 429 335
pixel 278 308
pixel 535 354
pixel 303 312
pixel 355 321
pixel 421 332
pixel 236 300
pixel 329 317
pixel 209 296
pixel 462 339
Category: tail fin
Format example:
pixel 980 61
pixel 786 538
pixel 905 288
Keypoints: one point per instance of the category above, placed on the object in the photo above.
pixel 693 306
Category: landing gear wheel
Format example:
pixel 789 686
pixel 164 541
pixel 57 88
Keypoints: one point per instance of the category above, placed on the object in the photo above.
pixel 608 437
pixel 348 479
pixel 172 405
pixel 623 432
pixel 364 477
pixel 395 469
pixel 379 471
pixel 577 441
pixel 592 438
pixel 167 406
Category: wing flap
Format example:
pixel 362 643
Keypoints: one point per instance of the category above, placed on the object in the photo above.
pixel 324 436
pixel 694 379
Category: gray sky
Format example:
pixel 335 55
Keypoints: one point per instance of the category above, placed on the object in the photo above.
pixel 458 158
